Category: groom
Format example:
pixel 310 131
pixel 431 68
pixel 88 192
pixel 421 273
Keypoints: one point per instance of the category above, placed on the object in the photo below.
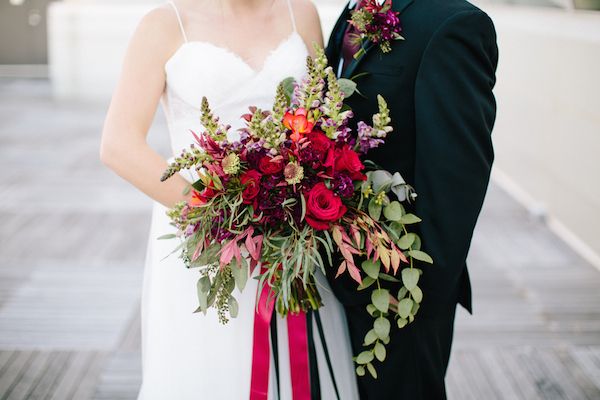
pixel 438 84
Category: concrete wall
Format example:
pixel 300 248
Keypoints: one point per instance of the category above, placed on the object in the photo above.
pixel 547 135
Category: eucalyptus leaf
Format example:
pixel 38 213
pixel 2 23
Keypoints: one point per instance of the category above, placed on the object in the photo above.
pixel 374 209
pixel 404 307
pixel 402 322
pixel 421 256
pixel 382 327
pixel 240 274
pixel 381 180
pixel 371 309
pixel 402 293
pixel 364 357
pixel 410 219
pixel 366 282
pixel 372 370
pixel 417 294
pixel 410 278
pixel 204 284
pixel 388 278
pixel 381 299
pixel 406 241
pixel 371 268
pixel 415 309
pixel 360 370
pixel 167 236
pixel 202 295
pixel 347 86
pixel 379 351
pixel 288 87
pixel 233 307
pixel 393 211
pixel 370 337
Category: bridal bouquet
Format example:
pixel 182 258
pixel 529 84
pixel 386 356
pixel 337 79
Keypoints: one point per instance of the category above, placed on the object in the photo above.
pixel 292 191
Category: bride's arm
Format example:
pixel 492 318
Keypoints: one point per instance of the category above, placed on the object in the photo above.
pixel 124 148
pixel 309 24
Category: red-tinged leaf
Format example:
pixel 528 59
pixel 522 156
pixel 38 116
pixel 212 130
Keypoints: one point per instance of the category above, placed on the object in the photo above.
pixel 253 264
pixel 198 250
pixel 395 259
pixel 251 246
pixel 258 240
pixel 237 253
pixel 355 234
pixel 369 247
pixel 341 269
pixel 337 235
pixel 346 237
pixel 352 250
pixel 226 254
pixel 345 253
pixel 385 258
pixel 198 140
pixel 354 273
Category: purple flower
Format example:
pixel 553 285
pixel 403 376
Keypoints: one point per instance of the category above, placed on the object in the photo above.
pixel 342 185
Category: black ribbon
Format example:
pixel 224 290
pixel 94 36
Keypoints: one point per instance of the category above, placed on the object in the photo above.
pixel 315 383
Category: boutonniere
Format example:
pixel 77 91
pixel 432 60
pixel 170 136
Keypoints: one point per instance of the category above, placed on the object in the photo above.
pixel 376 22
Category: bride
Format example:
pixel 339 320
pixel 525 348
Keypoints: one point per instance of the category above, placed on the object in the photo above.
pixel 234 52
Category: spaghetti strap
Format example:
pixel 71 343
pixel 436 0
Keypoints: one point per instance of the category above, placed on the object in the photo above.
pixel 179 20
pixel 289 2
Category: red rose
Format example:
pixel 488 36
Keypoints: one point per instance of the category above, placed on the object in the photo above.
pixel 251 181
pixel 347 160
pixel 323 207
pixel 269 167
pixel 320 143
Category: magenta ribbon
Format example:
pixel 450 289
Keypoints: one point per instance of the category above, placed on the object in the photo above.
pixel 261 355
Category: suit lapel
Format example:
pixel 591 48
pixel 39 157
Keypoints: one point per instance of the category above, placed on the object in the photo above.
pixel 397 5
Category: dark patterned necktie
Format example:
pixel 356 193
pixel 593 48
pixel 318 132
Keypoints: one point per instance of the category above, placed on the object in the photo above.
pixel 350 44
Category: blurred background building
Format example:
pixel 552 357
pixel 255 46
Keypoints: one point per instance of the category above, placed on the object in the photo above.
pixel 73 235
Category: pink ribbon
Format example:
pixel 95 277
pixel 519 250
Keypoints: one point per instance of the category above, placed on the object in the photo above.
pixel 261 355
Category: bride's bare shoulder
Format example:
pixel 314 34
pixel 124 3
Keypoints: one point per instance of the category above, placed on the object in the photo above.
pixel 308 21
pixel 158 31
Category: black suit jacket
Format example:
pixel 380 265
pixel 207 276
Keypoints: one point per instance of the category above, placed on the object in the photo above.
pixel 438 84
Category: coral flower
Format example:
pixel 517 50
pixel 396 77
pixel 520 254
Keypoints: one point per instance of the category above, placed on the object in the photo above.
pixel 298 123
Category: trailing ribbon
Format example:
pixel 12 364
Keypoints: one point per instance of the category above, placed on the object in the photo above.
pixel 259 384
pixel 298 349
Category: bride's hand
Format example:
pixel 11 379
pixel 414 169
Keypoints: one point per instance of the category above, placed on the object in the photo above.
pixel 124 148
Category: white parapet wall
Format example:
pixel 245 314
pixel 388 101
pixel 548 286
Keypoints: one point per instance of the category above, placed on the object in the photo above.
pixel 86 44
pixel 547 135
pixel 87 40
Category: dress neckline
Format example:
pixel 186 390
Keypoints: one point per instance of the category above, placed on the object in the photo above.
pixel 226 51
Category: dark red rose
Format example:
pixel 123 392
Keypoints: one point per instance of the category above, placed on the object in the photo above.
pixel 347 160
pixel 251 180
pixel 320 143
pixel 323 207
pixel 269 167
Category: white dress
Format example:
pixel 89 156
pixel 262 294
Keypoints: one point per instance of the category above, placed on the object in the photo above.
pixel 189 356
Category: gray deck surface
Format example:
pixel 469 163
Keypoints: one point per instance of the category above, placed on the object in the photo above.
pixel 72 245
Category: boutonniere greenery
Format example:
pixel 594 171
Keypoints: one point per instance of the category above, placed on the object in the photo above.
pixel 377 23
